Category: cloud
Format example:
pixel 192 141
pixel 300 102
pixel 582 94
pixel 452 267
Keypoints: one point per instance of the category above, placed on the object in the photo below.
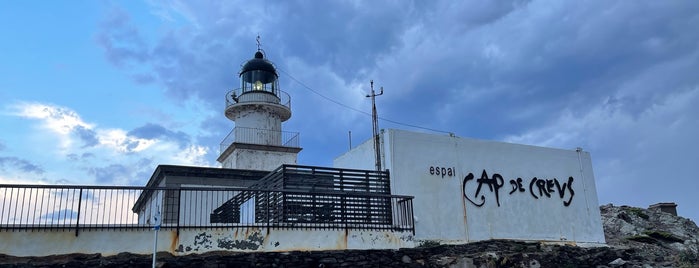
pixel 14 163
pixel 122 42
pixel 119 140
pixel 82 157
pixel 641 155
pixel 58 119
pixel 101 155
pixel 152 131
pixel 111 174
pixel 68 125
pixel 61 216
pixel 88 136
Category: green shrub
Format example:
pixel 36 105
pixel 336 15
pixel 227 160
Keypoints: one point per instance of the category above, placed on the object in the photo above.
pixel 665 236
pixel 638 212
pixel 643 239
pixel 688 258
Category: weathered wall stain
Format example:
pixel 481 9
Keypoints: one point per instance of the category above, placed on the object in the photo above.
pixel 251 242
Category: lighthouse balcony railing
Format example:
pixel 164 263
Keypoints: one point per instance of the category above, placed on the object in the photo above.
pixel 260 137
pixel 237 96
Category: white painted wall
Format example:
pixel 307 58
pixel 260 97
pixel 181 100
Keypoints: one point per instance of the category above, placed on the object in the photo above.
pixel 189 241
pixel 442 211
pixel 196 206
pixel 258 159
pixel 360 157
pixel 257 117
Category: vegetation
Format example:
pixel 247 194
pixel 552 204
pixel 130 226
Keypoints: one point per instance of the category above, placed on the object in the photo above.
pixel 428 244
pixel 638 212
pixel 665 236
pixel 655 237
pixel 688 259
pixel 643 239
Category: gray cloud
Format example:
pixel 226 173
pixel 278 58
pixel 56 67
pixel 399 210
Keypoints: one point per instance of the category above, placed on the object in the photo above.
pixel 155 131
pixel 14 163
pixel 602 75
pixel 60 216
pixel 75 157
pixel 88 136
pixel 121 41
pixel 111 173
pixel 135 173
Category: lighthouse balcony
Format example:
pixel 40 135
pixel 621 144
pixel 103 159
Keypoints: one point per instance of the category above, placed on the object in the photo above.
pixel 238 96
pixel 258 136
pixel 239 101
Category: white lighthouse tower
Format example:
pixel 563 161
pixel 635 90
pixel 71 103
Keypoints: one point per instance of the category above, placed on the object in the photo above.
pixel 258 109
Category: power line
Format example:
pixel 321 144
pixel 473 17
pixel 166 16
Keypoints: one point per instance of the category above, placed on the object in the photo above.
pixel 323 96
pixel 355 109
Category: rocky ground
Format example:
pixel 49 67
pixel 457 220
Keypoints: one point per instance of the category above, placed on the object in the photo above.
pixel 636 238
pixel 661 239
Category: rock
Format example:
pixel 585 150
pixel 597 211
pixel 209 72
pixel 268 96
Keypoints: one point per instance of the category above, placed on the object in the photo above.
pixel 406 259
pixel 444 260
pixel 617 262
pixel 328 260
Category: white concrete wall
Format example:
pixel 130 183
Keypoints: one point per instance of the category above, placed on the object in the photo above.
pixel 196 206
pixel 189 241
pixel 150 209
pixel 258 159
pixel 453 209
pixel 360 157
pixel 258 117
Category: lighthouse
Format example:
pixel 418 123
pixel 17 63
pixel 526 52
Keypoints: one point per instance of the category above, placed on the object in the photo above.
pixel 258 109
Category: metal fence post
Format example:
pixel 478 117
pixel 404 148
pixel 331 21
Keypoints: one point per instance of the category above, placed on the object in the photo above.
pixel 179 201
pixel 77 221
pixel 267 208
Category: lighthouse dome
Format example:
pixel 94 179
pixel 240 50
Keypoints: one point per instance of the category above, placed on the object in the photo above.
pixel 259 75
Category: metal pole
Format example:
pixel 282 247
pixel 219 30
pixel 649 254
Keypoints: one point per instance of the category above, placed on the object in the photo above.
pixel 375 125
pixel 156 227
pixel 77 220
pixel 155 244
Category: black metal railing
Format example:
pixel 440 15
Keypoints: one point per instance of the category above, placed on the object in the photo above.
pixel 260 137
pixel 276 97
pixel 78 208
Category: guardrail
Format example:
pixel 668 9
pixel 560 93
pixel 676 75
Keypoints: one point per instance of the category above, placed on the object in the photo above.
pixel 260 137
pixel 277 97
pixel 80 208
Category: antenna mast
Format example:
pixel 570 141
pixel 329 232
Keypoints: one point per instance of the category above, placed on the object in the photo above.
pixel 375 125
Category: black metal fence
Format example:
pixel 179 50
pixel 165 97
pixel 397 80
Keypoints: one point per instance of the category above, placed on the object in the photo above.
pixel 78 208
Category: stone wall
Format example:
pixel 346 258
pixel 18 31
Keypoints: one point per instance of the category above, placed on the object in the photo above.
pixel 481 254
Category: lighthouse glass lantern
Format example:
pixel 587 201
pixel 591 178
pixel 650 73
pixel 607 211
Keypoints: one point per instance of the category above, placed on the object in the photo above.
pixel 259 75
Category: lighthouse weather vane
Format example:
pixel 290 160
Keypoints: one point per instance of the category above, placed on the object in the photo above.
pixel 258 42
pixel 375 124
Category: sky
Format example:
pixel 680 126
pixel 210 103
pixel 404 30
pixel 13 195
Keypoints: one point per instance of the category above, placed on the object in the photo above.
pixel 101 92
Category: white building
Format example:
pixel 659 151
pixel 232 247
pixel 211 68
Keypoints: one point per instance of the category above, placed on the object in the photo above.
pixel 469 190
